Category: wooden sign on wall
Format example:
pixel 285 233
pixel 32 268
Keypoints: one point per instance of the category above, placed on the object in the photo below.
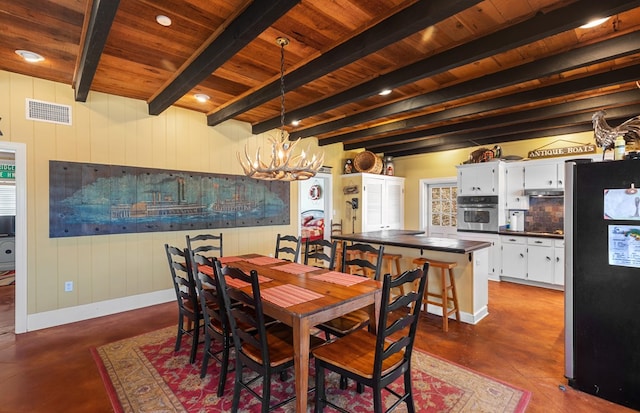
pixel 566 151
pixel 96 199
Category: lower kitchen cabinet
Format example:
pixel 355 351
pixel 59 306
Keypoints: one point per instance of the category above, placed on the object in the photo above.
pixel 540 260
pixel 558 276
pixel 536 259
pixel 493 250
pixel 514 256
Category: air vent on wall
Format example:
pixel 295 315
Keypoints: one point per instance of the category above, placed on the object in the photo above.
pixel 48 112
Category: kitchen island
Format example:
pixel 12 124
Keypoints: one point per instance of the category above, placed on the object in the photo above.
pixel 471 272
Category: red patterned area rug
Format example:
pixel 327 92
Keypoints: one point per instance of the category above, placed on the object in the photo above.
pixel 7 277
pixel 144 374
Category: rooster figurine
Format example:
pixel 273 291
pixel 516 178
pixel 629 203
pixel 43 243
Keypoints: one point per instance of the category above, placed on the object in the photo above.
pixel 605 135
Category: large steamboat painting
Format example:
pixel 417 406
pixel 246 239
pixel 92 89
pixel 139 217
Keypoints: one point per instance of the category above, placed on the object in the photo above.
pixel 95 199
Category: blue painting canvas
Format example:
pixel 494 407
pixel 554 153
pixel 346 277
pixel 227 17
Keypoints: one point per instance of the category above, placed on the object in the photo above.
pixel 97 199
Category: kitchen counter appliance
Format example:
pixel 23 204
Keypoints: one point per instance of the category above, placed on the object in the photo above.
pixel 478 213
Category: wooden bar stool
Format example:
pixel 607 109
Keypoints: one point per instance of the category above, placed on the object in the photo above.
pixel 389 261
pixel 444 296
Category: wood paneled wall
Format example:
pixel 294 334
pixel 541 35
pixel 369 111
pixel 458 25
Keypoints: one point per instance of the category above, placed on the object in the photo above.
pixel 114 130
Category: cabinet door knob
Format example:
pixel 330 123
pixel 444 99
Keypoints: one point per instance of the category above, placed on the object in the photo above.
pixel 559 181
pixel 557 259
pixel 550 182
pixel 521 255
pixel 548 258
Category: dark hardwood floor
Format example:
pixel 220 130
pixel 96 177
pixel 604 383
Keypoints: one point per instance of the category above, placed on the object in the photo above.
pixel 520 342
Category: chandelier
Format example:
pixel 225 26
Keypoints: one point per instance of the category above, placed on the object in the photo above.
pixel 283 165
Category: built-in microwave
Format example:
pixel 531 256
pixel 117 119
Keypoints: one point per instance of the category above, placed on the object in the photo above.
pixel 478 213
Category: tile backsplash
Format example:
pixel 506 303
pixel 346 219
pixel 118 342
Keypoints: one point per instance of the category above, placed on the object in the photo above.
pixel 544 214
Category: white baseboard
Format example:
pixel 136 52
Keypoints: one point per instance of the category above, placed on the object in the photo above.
pixel 533 283
pixel 464 316
pixel 85 312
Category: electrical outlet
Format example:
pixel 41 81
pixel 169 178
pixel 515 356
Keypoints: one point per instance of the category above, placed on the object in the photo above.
pixel 68 286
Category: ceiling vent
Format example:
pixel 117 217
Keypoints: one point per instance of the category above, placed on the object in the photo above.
pixel 48 112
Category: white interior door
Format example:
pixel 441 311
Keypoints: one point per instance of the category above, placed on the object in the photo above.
pixel 438 206
pixel 314 203
pixel 20 151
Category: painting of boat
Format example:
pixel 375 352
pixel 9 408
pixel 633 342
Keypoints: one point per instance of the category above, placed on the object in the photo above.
pixel 94 199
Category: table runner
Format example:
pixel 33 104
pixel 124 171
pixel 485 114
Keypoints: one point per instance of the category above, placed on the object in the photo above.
pixel 287 295
pixel 264 260
pixel 225 260
pixel 237 283
pixel 295 268
pixel 340 278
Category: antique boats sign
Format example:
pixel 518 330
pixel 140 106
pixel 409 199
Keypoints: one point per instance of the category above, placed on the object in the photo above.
pixel 565 151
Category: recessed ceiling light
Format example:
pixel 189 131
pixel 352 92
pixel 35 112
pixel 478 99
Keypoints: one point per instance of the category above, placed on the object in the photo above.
pixel 163 20
pixel 295 122
pixel 384 92
pixel 594 23
pixel 29 56
pixel 201 97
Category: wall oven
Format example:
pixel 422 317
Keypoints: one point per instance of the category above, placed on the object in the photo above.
pixel 478 213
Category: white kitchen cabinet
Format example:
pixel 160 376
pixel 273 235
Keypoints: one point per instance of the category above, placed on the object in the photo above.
pixel 514 257
pixel 536 259
pixel 381 201
pixel 558 274
pixel 544 175
pixel 514 187
pixel 478 179
pixel 493 253
pixel 540 260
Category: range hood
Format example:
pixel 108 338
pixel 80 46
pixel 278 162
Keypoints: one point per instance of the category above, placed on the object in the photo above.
pixel 544 192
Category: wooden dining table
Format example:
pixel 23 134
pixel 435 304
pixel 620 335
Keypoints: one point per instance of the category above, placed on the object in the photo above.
pixel 311 296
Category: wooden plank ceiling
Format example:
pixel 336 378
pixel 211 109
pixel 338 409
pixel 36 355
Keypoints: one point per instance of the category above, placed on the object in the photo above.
pixel 463 73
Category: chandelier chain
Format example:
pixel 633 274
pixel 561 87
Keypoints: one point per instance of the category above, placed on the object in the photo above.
pixel 282 45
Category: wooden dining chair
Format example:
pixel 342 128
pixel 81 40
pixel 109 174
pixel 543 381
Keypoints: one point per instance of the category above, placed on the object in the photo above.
pixel 350 322
pixel 377 360
pixel 266 349
pixel 186 297
pixel 316 250
pixel 362 259
pixel 336 227
pixel 209 245
pixel 290 246
pixel 216 326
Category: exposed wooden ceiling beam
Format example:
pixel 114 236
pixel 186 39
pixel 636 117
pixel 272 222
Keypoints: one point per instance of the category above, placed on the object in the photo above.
pixel 402 24
pixel 536 28
pixel 255 19
pixel 623 75
pixel 520 118
pixel 573 59
pixel 95 37
pixel 548 127
pixel 586 109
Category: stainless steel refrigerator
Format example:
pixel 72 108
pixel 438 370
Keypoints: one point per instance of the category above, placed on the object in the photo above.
pixel 602 279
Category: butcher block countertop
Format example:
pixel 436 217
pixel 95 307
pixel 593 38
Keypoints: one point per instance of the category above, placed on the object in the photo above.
pixel 414 239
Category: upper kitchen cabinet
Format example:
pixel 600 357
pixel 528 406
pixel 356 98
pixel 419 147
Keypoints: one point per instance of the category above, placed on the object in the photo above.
pixel 514 187
pixel 479 179
pixel 544 175
pixel 381 200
